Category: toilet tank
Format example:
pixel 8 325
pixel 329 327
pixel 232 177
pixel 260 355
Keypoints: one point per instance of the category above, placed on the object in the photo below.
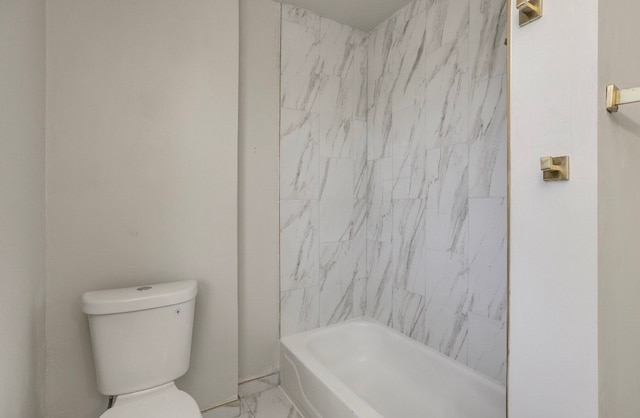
pixel 141 336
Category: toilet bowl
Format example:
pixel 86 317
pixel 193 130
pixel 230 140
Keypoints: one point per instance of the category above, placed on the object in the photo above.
pixel 141 339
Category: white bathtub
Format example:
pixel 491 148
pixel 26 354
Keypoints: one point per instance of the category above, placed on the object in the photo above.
pixel 363 369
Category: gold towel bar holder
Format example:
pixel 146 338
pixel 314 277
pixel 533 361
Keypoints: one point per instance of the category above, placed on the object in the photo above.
pixel 617 97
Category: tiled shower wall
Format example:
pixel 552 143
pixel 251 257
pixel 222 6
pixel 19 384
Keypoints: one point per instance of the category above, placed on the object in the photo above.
pixel 423 187
pixel 323 138
pixel 437 217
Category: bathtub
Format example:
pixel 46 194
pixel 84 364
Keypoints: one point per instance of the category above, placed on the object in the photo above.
pixel 363 369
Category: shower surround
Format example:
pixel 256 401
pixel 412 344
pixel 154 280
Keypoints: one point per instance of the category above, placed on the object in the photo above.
pixel 393 176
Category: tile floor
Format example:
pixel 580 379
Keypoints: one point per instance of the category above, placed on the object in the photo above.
pixel 261 398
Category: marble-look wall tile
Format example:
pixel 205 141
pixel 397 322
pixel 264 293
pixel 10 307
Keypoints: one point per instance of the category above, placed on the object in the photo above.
pixel 300 50
pixel 298 155
pixel 409 251
pixel 336 264
pixel 301 80
pixel 396 136
pixel 380 118
pixel 380 283
pixel 392 44
pixel 360 166
pixel 448 333
pixel 359 238
pixel 487 32
pixel 447 20
pixel 437 114
pixel 415 7
pixel 360 297
pixel 488 257
pixel 379 220
pixel 379 49
pixel 299 310
pixel 324 171
pixel 409 314
pixel 342 138
pixel 339 97
pixel 298 244
pixel 301 16
pixel 488 139
pixel 336 199
pixel 301 92
pixel 447 94
pixel 408 69
pixel 408 137
pixel 336 303
pixel 336 217
pixel 359 75
pixel 336 178
pixel 338 47
pixel 447 282
pixel 488 347
pixel 447 198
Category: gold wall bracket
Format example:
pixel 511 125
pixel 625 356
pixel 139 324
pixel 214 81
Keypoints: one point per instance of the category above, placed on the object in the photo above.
pixel 530 11
pixel 555 168
pixel 617 97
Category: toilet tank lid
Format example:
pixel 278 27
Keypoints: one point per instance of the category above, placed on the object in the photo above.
pixel 138 298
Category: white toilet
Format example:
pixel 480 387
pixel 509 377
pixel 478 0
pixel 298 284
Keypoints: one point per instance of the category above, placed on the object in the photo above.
pixel 141 338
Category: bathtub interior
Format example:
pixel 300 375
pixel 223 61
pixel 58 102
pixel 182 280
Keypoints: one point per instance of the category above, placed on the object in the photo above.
pixel 394 374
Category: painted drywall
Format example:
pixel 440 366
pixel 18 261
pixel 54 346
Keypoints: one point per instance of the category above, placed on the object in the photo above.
pixel 142 110
pixel 619 205
pixel 360 14
pixel 22 208
pixel 258 222
pixel 553 337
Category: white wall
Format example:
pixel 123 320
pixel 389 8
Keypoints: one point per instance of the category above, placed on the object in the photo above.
pixel 22 90
pixel 259 130
pixel 553 368
pixel 619 224
pixel 141 168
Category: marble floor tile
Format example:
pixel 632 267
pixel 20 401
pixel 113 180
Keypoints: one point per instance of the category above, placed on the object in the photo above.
pixel 254 387
pixel 230 410
pixel 259 398
pixel 273 403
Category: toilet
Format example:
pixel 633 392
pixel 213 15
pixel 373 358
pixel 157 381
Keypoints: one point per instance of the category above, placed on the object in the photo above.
pixel 141 339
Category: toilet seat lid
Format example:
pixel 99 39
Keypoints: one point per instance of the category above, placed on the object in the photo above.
pixel 164 402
